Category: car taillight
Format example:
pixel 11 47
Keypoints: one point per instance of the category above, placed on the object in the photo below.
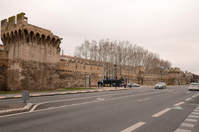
pixel 189 86
pixel 198 86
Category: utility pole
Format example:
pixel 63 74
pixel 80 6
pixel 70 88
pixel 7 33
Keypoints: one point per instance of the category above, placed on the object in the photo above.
pixel 116 72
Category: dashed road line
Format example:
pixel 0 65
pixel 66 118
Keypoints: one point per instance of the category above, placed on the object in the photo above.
pixel 161 112
pixel 194 96
pixel 132 128
pixel 144 99
pixel 178 104
pixel 187 99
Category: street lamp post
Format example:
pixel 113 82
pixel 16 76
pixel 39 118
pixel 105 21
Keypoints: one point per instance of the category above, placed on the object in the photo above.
pixel 161 73
pixel 109 71
pixel 116 72
pixel 128 74
pixel 115 76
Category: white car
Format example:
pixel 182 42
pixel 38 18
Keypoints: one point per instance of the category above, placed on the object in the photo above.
pixel 136 85
pixel 193 86
pixel 160 85
pixel 133 85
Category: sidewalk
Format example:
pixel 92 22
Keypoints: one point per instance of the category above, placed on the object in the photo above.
pixel 11 109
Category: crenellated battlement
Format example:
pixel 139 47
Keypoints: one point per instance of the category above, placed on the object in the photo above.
pixel 79 65
pixel 33 54
pixel 20 30
pixel 175 70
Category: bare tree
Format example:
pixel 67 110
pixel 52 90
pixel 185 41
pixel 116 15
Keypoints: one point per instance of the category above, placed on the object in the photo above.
pixel 124 53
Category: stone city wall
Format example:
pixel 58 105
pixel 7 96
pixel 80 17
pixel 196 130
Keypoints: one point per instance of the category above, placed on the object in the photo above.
pixel 3 69
pixel 30 60
pixel 73 72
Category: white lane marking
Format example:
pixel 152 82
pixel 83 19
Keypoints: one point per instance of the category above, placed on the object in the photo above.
pixel 188 92
pixel 32 110
pixel 34 107
pixel 190 120
pixel 195 113
pixel 100 99
pixel 85 102
pixel 73 104
pixel 187 99
pixel 144 99
pixel 187 125
pixel 161 112
pixel 64 100
pixel 182 130
pixel 193 116
pixel 92 97
pixel 196 110
pixel 134 95
pixel 194 96
pixel 178 104
pixel 51 108
pixel 132 128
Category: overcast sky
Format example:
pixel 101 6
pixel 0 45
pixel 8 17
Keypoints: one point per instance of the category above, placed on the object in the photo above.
pixel 167 27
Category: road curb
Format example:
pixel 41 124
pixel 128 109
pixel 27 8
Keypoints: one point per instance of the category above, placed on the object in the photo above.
pixel 18 110
pixel 61 93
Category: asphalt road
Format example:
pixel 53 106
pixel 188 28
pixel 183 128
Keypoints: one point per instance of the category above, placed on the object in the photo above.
pixel 142 109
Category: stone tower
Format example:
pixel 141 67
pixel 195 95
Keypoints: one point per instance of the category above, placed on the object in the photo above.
pixel 33 55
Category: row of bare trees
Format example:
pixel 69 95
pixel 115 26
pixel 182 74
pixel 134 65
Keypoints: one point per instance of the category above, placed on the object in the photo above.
pixel 122 52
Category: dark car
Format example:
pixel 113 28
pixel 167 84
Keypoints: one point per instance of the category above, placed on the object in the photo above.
pixel 160 85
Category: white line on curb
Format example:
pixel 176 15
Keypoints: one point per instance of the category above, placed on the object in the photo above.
pixel 190 120
pixel 193 116
pixel 187 125
pixel 182 130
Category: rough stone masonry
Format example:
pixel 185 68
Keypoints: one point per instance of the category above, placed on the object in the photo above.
pixel 33 55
